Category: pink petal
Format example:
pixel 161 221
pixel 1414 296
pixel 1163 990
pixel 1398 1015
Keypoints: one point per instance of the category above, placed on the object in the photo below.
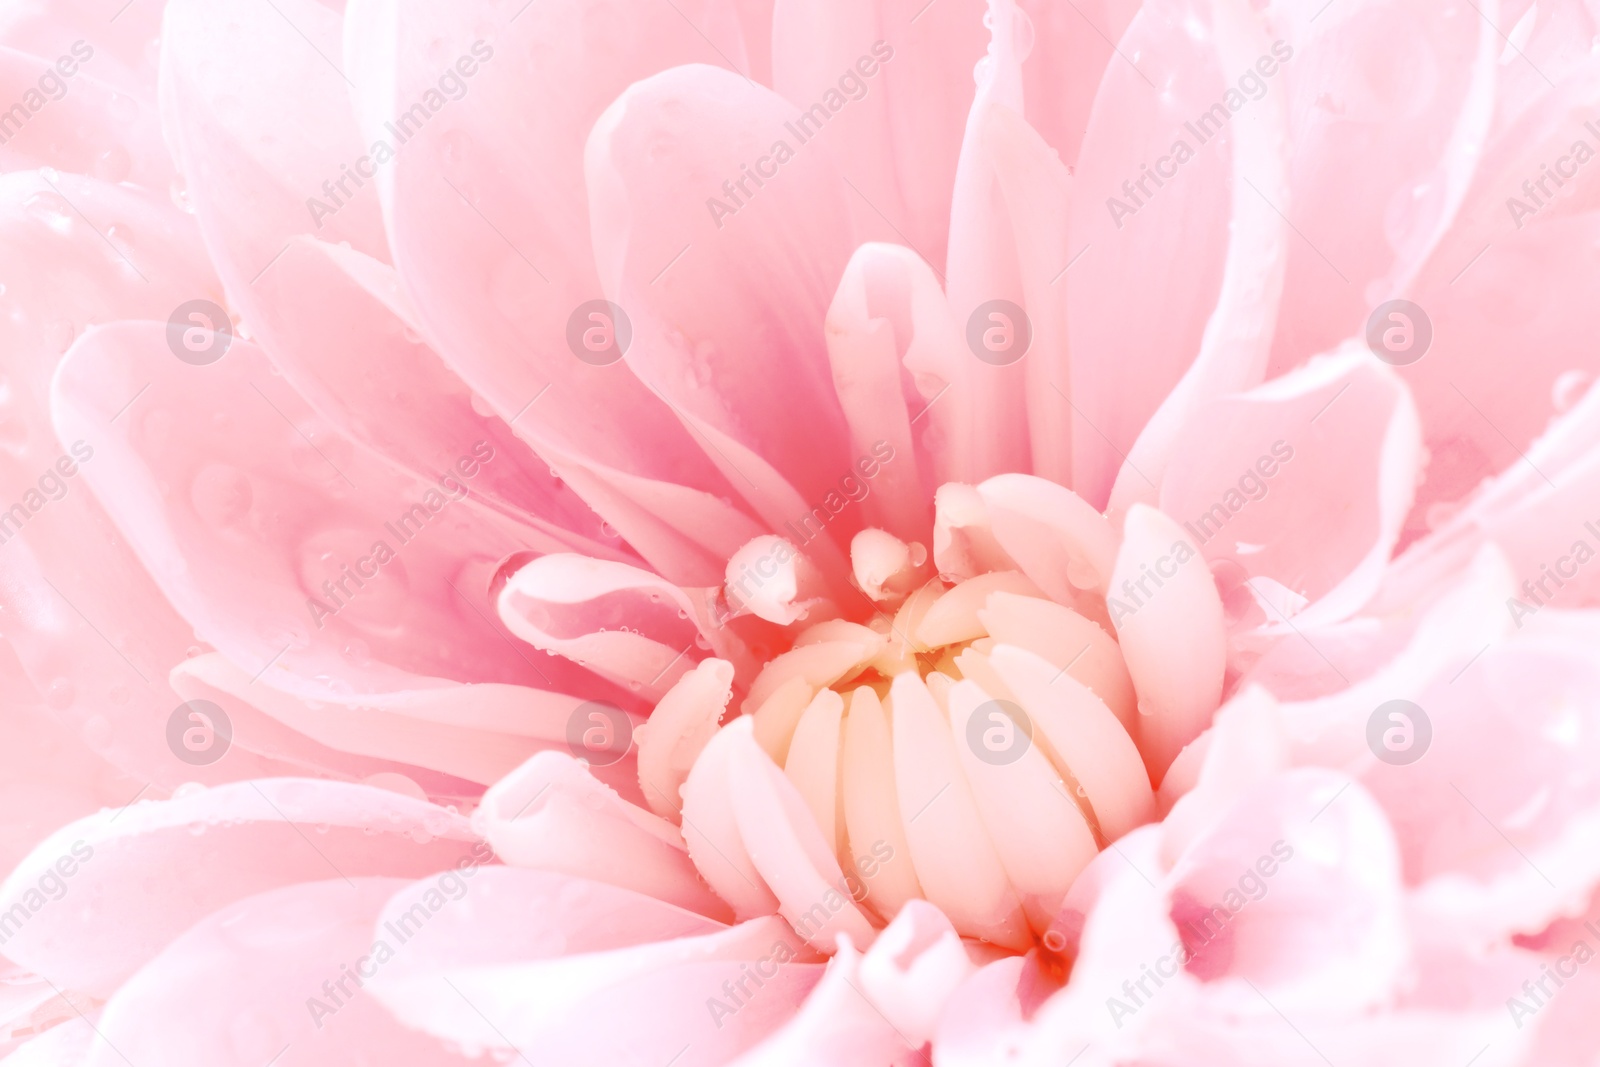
pixel 249 519
pixel 894 133
pixel 1172 635
pixel 487 214
pixel 477 732
pixel 277 976
pixel 338 326
pixel 1338 440
pixel 728 311
pixel 1008 241
pixel 1174 244
pixel 1072 48
pixel 789 850
pixel 257 112
pixel 77 122
pixel 1416 122
pixel 957 864
pixel 871 327
pixel 550 814
pixel 547 964
pixel 627 624
pixel 220 845
pixel 1234 349
pixel 91 632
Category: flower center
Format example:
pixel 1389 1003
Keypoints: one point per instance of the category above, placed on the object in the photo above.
pixel 973 743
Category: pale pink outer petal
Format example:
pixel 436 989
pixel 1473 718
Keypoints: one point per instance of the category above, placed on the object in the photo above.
pixel 1536 511
pixel 247 984
pixel 1008 242
pixel 339 328
pixel 1245 746
pixel 48 777
pixel 1234 349
pixel 143 874
pixel 66 1044
pixel 584 973
pixel 248 516
pixel 837 1024
pixel 1072 47
pixel 259 117
pixel 1174 245
pixel 488 219
pixel 91 633
pixel 1305 480
pixel 1419 123
pixel 1308 866
pixel 1499 840
pixel 914 968
pixel 126 48
pixel 82 123
pixel 1259 967
pixel 466 733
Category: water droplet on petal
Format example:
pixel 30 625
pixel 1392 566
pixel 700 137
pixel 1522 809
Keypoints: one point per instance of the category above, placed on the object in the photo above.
pixel 1569 388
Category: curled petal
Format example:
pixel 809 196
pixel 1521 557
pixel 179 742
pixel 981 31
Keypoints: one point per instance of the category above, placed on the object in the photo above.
pixel 678 730
pixel 627 623
pixel 550 814
pixel 886 568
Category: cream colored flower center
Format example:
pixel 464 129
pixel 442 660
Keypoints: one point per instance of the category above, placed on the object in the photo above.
pixel 976 747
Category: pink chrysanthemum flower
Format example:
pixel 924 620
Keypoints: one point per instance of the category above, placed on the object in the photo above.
pixel 728 532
